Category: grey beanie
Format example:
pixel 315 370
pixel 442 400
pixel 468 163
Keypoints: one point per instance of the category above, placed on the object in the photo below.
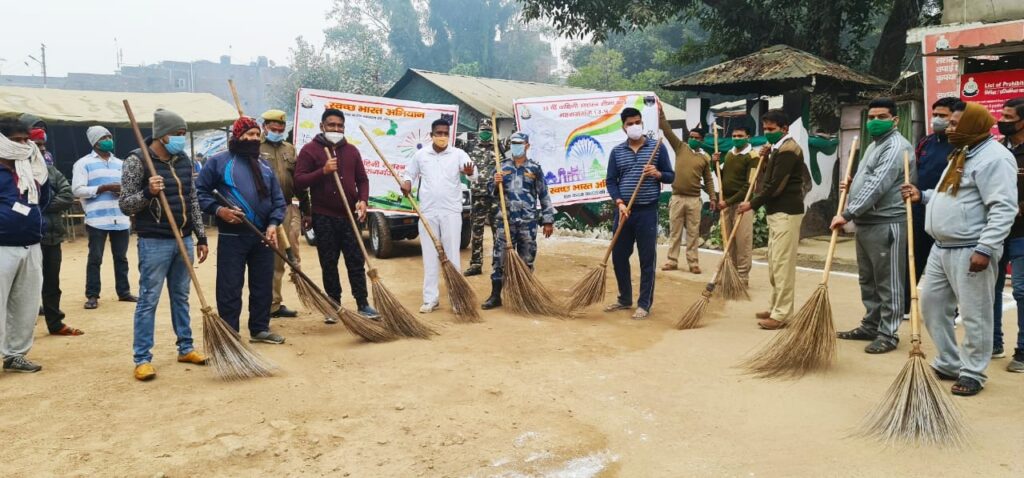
pixel 166 122
pixel 30 120
pixel 94 133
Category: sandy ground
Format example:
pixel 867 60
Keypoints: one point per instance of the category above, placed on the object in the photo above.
pixel 598 396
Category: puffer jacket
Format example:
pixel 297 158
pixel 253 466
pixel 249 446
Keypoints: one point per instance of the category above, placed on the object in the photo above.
pixel 61 200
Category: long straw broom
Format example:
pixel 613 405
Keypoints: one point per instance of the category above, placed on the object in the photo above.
pixel 523 293
pixel 316 298
pixel 395 316
pixel 694 315
pixel 461 295
pixel 590 289
pixel 733 287
pixel 914 409
pixel 808 343
pixel 231 358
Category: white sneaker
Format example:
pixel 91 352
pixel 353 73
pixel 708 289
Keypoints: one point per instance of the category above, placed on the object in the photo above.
pixel 957 321
pixel 428 307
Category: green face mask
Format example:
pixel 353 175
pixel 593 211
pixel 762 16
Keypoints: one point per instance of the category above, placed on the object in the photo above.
pixel 694 143
pixel 878 127
pixel 484 135
pixel 105 145
pixel 773 137
pixel 740 143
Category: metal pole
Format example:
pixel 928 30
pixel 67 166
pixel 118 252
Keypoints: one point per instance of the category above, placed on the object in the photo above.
pixel 43 48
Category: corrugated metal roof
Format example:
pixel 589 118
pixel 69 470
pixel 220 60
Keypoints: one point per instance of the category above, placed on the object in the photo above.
pixel 485 94
pixel 774 70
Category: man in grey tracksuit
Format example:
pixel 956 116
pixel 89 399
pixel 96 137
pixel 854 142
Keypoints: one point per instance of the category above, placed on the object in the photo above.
pixel 876 205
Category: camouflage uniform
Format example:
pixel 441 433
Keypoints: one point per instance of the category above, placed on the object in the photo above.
pixel 485 204
pixel 524 187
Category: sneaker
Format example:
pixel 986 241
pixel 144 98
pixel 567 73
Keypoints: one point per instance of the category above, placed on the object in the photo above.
pixel 640 314
pixel 428 307
pixel 267 337
pixel 283 312
pixel 128 298
pixel 20 364
pixel 92 303
pixel 1017 364
pixel 906 316
pixel 331 319
pixel 998 352
pixel 369 312
pixel 144 372
pixel 193 357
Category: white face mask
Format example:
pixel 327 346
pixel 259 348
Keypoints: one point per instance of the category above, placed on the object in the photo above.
pixel 334 138
pixel 634 131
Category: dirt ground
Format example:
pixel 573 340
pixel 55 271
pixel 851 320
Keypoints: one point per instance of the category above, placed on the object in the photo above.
pixel 598 396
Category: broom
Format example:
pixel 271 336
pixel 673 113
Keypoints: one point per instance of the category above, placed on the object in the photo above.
pixel 231 358
pixel 523 292
pixel 915 410
pixel 808 343
pixel 315 298
pixel 461 295
pixel 732 288
pixel 396 317
pixel 590 289
pixel 729 278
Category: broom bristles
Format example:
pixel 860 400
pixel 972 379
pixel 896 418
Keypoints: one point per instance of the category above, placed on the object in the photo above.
pixel 589 290
pixel 395 316
pixel 310 297
pixel 525 294
pixel 694 315
pixel 460 294
pixel 731 283
pixel 314 298
pixel 916 411
pixel 231 358
pixel 807 344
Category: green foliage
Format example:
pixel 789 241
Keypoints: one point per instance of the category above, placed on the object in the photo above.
pixel 760 231
pixel 468 69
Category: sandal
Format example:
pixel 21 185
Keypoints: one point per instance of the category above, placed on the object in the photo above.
pixel 945 376
pixel 65 330
pixel 966 387
pixel 616 306
pixel 880 346
pixel 856 334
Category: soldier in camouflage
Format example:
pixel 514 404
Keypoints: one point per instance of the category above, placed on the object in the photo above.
pixel 484 203
pixel 523 182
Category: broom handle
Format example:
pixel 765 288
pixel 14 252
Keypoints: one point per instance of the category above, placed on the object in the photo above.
pixel 629 206
pixel 501 184
pixel 165 205
pixel 415 206
pixel 915 312
pixel 735 226
pixel 234 94
pixel 839 210
pixel 718 174
pixel 348 211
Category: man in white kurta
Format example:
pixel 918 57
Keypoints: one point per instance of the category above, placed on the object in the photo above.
pixel 439 170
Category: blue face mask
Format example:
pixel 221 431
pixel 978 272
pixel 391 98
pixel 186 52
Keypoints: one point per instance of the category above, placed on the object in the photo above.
pixel 275 137
pixel 175 145
pixel 518 150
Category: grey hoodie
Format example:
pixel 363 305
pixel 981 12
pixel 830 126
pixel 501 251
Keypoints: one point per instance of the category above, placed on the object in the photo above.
pixel 875 196
pixel 981 213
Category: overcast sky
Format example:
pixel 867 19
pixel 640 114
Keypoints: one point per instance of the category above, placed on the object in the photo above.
pixel 80 34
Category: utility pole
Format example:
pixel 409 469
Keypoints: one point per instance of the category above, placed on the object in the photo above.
pixel 42 62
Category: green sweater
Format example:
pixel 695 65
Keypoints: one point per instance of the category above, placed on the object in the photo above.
pixel 780 181
pixel 692 168
pixel 736 169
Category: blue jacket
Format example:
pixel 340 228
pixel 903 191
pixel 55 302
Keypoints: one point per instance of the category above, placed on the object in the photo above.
pixel 16 229
pixel 231 176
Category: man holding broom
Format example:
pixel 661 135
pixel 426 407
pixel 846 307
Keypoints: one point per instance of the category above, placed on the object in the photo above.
pixel 627 164
pixel 969 215
pixel 740 162
pixel 484 203
pixel 159 259
pixel 241 176
pixel 876 205
pixel 524 185
pixel 439 169
pixel 281 156
pixel 692 173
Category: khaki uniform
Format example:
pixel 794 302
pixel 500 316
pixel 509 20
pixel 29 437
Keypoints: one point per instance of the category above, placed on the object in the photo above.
pixel 281 157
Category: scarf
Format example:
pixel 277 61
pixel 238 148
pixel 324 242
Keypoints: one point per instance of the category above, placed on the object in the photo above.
pixel 974 127
pixel 249 151
pixel 28 166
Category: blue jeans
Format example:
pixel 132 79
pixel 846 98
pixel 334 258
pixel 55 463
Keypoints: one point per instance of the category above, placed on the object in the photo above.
pixel 159 259
pixel 641 228
pixel 119 249
pixel 1013 254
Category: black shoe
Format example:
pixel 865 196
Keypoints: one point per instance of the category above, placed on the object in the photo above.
pixel 495 299
pixel 998 351
pixel 474 270
pixel 92 303
pixel 880 346
pixel 128 298
pixel 284 312
pixel 856 334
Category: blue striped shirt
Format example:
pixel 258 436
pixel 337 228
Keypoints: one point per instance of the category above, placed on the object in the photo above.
pixel 101 210
pixel 625 168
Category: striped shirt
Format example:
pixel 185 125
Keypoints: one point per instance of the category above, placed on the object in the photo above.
pixel 101 211
pixel 625 168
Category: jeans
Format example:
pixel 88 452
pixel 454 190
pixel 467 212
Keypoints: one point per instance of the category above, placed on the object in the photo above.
pixel 235 252
pixel 118 249
pixel 1013 254
pixel 159 259
pixel 52 256
pixel 641 228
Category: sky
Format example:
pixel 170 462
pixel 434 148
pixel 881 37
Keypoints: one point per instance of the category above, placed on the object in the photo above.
pixel 82 36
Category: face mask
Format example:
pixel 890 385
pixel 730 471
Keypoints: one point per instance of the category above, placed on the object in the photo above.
pixel 441 142
pixel 175 144
pixel 1008 128
pixel 878 127
pixel 245 148
pixel 518 150
pixel 773 137
pixel 275 137
pixel 634 132
pixel 107 145
pixel 939 125
pixel 740 143
pixel 484 136
pixel 694 143
pixel 334 138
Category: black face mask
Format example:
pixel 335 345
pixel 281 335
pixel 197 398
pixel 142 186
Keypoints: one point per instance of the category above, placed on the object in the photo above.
pixel 247 149
pixel 1008 128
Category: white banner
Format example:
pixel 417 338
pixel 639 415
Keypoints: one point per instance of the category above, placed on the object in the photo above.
pixel 572 136
pixel 399 127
